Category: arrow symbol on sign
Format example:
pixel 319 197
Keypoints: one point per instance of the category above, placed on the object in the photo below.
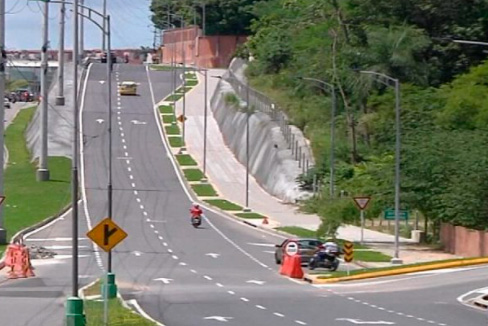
pixel 164 280
pixel 256 282
pixel 100 120
pixel 137 122
pixel 360 322
pixel 218 318
pixel 212 255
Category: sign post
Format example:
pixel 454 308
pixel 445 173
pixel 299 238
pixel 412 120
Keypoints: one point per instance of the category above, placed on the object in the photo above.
pixel 348 253
pixel 362 203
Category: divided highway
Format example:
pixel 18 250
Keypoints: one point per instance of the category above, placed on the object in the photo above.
pixel 223 272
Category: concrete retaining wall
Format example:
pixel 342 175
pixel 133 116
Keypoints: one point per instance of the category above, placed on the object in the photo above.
pixel 271 162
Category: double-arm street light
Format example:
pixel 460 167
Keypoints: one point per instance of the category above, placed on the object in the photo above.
pixel 388 81
pixel 331 89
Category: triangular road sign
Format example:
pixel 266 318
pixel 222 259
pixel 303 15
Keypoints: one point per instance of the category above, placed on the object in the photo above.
pixel 362 201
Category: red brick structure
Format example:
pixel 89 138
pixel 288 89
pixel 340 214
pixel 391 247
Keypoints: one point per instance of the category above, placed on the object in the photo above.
pixel 464 242
pixel 214 51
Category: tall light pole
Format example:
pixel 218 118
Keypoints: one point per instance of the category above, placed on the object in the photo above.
pixel 62 18
pixel 43 171
pixel 204 18
pixel 247 146
pixel 74 306
pixel 331 89
pixel 205 100
pixel 387 80
pixel 82 30
pixel 104 13
pixel 3 63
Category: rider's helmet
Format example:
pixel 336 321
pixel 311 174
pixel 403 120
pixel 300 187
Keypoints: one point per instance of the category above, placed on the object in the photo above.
pixel 196 206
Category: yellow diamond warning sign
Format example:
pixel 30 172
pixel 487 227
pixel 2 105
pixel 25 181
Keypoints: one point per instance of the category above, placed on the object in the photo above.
pixel 107 234
pixel 348 251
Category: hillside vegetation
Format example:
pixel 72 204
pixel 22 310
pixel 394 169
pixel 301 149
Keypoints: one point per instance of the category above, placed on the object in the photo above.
pixel 444 110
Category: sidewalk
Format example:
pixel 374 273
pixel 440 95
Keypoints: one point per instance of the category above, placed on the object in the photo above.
pixel 227 174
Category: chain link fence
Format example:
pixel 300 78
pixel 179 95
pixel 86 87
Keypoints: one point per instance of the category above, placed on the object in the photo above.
pixel 296 142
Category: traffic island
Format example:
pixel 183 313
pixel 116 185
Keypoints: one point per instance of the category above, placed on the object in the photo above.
pixel 361 274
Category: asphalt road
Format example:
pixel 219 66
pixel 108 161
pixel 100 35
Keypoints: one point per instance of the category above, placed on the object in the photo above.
pixel 224 271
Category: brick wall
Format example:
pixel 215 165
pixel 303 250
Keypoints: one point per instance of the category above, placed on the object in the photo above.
pixel 465 242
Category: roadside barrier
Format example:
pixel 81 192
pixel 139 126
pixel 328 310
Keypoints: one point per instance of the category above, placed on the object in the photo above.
pixel 18 259
pixel 292 266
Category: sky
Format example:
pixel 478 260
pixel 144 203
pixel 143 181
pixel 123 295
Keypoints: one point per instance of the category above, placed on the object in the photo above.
pixel 130 20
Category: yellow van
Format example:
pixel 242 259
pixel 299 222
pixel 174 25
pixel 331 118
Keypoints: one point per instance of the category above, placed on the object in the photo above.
pixel 128 88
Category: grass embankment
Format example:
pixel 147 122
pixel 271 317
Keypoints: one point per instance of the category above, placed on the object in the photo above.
pixel 27 200
pixel 185 160
pixel 172 130
pixel 118 314
pixel 361 252
pixel 166 109
pixel 224 204
pixel 169 119
pixel 193 174
pixel 175 141
pixel 204 190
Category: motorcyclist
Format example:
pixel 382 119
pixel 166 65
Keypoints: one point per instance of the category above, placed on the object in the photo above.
pixel 326 250
pixel 196 211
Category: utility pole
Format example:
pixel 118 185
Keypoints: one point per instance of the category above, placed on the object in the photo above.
pixel 3 62
pixel 104 24
pixel 43 171
pixel 82 30
pixel 204 18
pixel 74 306
pixel 62 18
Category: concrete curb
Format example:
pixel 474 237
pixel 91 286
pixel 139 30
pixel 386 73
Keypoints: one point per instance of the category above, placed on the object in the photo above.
pixel 399 271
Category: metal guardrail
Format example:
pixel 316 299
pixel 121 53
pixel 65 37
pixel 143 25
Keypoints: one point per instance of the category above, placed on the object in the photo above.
pixel 300 150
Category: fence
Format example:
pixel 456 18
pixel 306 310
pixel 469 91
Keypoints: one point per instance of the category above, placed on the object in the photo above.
pixel 300 150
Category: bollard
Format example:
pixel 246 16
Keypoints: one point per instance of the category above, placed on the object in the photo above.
pixel 296 150
pixel 74 312
pixel 111 287
pixel 299 157
pixel 303 162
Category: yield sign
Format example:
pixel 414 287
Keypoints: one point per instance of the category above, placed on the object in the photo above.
pixel 362 201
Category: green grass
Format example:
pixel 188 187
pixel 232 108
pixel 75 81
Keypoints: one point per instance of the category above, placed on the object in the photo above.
pixel 118 314
pixel 173 97
pixel 166 108
pixel 160 67
pixel 191 82
pixel 190 75
pixel 250 215
pixel 28 201
pixel 193 174
pixel 172 130
pixel 185 160
pixel 204 190
pixel 224 204
pixel 169 119
pixel 180 90
pixel 175 141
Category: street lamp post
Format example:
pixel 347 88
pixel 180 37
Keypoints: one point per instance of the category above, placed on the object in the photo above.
pixel 331 89
pixel 247 147
pixel 3 63
pixel 387 80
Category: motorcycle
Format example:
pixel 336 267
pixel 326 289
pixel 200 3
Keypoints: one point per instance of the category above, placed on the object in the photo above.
pixel 325 260
pixel 196 221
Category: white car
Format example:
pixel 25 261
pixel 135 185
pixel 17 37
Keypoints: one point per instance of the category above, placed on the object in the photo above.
pixel 6 103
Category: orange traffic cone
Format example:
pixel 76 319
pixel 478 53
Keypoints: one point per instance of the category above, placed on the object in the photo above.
pixel 265 220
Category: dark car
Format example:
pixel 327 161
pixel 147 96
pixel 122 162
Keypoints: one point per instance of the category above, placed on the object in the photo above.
pixel 306 249
pixel 112 57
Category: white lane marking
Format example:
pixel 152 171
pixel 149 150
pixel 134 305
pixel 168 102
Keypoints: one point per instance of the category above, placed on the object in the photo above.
pixel 174 257
pixel 231 292
pixel 141 207
pixel 361 322
pixel 299 322
pixel 124 147
pixel 118 112
pixel 127 161
pixel 260 307
pixel 165 244
pixel 133 185
pixel 134 303
pixel 164 280
pixel 130 170
pixel 144 213
pixel 256 282
pixel 170 251
pixel 261 244
pixel 193 271
pixel 132 178
pixel 156 231
pixel 121 129
pixel 100 121
pixel 160 238
pixel 461 299
pixel 182 263
pixel 213 255
pixel 207 277
pixel 278 314
pixel 245 299
pixel 137 253
pixel 151 226
pixel 219 285
pixel 218 318
pixel 138 199
pixel 122 135
pixel 123 140
pixel 126 153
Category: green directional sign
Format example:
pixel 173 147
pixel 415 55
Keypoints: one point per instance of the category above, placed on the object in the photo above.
pixel 389 214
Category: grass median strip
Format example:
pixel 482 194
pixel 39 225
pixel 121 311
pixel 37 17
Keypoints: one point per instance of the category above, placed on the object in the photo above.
pixel 175 141
pixel 185 160
pixel 118 314
pixel 27 200
pixel 169 119
pixel 160 68
pixel 172 130
pixel 224 204
pixel 174 97
pixel 204 190
pixel 166 109
pixel 191 82
pixel 193 174
pixel 250 215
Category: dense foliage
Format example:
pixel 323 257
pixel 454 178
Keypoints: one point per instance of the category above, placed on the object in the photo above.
pixel 444 107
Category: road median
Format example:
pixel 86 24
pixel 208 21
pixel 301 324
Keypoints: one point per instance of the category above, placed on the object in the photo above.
pixel 321 279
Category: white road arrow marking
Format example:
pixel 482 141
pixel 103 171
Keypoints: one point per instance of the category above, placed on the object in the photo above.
pixel 137 122
pixel 101 82
pixel 360 322
pixel 213 255
pixel 164 280
pixel 137 253
pixel 256 282
pixel 100 121
pixel 218 318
